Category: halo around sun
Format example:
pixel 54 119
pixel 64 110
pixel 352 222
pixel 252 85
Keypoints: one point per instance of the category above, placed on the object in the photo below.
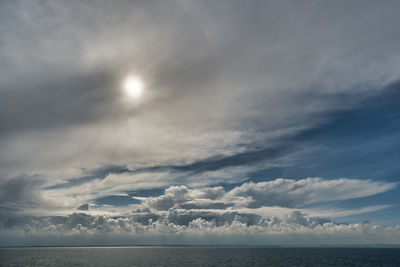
pixel 133 87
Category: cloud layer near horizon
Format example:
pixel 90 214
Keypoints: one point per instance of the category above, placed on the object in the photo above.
pixel 283 193
pixel 193 227
pixel 252 213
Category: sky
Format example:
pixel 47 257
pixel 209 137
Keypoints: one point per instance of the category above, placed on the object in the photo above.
pixel 199 122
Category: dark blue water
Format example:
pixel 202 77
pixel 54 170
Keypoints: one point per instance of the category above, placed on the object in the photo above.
pixel 198 256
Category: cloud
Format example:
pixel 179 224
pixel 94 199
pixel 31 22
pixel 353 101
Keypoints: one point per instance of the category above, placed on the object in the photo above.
pixel 286 193
pixel 294 193
pixel 84 206
pixel 20 193
pixel 324 212
pixel 249 214
pixel 231 91
pixel 280 195
pixel 182 195
pixel 179 226
pixel 205 100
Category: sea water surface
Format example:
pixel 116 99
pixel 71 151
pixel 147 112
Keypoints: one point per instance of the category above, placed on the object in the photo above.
pixel 198 256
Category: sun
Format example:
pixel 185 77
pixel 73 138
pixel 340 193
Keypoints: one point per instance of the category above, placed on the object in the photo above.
pixel 133 87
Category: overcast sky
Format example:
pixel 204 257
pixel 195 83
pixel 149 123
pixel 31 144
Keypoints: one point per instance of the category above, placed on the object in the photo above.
pixel 253 122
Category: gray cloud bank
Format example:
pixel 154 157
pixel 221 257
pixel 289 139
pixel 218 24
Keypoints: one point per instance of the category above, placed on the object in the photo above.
pixel 192 227
pixel 252 213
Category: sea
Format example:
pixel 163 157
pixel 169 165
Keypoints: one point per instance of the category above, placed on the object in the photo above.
pixel 198 256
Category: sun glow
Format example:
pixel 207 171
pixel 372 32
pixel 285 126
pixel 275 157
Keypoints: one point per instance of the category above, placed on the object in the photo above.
pixel 133 87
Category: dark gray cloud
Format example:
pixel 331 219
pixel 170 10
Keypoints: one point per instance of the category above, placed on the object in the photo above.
pixel 177 227
pixel 19 193
pixel 175 217
pixel 185 217
pixel 83 206
pixel 56 102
